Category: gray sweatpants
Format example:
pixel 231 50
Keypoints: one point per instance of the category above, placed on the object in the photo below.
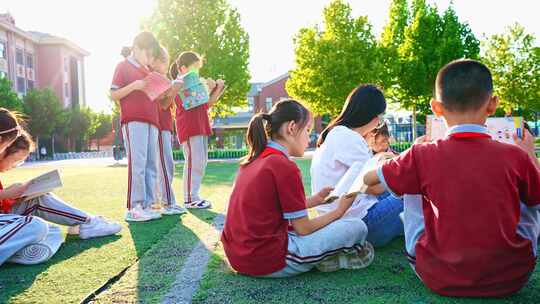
pixel 196 156
pixel 166 168
pixel 25 226
pixel 141 143
pixel 305 252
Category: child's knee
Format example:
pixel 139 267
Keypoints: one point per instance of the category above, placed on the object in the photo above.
pixel 37 228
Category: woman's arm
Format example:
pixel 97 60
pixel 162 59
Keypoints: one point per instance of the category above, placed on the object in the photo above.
pixel 125 91
pixel 305 225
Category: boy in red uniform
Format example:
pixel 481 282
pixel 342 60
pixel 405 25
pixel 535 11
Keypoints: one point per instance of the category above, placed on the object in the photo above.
pixel 471 228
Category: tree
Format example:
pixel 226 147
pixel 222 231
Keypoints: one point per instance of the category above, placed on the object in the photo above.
pixel 103 126
pixel 430 41
pixel 82 123
pixel 43 111
pixel 333 61
pixel 210 27
pixel 514 61
pixel 391 38
pixel 8 98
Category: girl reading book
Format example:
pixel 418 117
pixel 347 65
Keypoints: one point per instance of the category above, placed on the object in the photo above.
pixel 268 231
pixel 140 126
pixel 24 237
pixel 343 145
pixel 193 127
pixel 167 197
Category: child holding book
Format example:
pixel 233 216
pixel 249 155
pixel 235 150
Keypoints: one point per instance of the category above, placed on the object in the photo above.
pixel 24 237
pixel 343 145
pixel 140 126
pixel 268 231
pixel 380 140
pixel 193 128
pixel 471 214
pixel 168 199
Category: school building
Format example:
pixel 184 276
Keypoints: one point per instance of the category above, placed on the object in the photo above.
pixel 229 132
pixel 32 59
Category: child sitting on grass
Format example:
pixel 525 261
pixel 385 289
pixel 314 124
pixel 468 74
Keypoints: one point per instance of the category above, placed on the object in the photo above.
pixel 48 207
pixel 471 230
pixel 268 231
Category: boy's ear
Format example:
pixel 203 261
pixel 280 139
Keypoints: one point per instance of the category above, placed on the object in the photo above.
pixel 493 103
pixel 436 107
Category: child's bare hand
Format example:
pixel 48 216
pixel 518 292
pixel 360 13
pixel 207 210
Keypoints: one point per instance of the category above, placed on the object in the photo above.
pixel 211 83
pixel 321 195
pixel 139 84
pixel 220 83
pixel 526 143
pixel 16 190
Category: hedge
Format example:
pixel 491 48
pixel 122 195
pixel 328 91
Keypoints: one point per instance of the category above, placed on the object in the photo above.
pixel 215 154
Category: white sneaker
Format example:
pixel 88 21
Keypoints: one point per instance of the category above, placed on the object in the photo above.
pixel 152 213
pixel 357 259
pixel 137 214
pixel 200 204
pixel 98 226
pixel 173 210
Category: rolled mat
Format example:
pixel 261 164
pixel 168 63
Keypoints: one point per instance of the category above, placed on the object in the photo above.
pixel 41 251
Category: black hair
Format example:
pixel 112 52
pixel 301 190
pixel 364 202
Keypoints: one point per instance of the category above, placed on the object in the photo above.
pixel 258 132
pixel 184 59
pixel 382 131
pixel 363 104
pixel 23 143
pixel 463 85
pixel 9 124
pixel 143 41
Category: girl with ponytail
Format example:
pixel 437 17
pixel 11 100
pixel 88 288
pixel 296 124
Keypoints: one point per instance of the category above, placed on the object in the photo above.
pixel 268 231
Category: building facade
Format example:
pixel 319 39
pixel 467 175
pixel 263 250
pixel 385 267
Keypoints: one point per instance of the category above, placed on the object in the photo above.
pixel 39 60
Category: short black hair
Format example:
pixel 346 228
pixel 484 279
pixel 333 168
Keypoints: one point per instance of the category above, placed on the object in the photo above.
pixel 463 85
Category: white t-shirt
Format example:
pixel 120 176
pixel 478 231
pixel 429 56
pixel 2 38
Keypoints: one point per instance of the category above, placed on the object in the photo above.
pixel 341 148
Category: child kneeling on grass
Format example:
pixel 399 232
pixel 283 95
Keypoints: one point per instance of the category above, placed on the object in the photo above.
pixel 26 239
pixel 471 214
pixel 268 232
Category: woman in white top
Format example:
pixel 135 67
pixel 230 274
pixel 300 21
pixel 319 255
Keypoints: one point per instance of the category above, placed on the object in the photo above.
pixel 343 143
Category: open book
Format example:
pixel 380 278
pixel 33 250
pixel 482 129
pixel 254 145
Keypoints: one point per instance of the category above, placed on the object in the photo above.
pixel 500 128
pixel 352 183
pixel 42 184
pixel 156 85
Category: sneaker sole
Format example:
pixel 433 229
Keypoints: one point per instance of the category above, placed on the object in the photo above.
pixel 352 262
pixel 31 255
pixel 107 233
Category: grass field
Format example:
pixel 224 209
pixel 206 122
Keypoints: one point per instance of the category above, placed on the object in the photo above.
pixel 141 263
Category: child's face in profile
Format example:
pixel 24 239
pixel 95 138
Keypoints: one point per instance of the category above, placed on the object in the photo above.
pixel 381 143
pixel 197 65
pixel 160 66
pixel 300 140
pixel 13 160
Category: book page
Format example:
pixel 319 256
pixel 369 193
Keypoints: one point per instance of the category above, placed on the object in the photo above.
pixel 42 184
pixel 156 85
pixel 345 182
pixel 500 128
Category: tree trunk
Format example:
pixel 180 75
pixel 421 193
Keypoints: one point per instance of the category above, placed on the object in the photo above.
pixel 38 152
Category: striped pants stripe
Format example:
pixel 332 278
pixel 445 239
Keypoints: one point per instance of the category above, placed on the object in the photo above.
pixel 196 158
pixel 166 168
pixel 17 232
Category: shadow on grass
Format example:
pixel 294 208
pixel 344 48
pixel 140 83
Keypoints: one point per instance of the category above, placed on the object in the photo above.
pixel 15 279
pixel 162 258
pixel 388 280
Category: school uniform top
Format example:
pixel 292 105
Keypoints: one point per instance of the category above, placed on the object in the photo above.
pixel 136 106
pixel 192 122
pixel 7 204
pixel 166 119
pixel 267 194
pixel 472 188
pixel 340 150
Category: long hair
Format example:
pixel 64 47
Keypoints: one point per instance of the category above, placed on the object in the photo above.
pixel 263 127
pixel 363 104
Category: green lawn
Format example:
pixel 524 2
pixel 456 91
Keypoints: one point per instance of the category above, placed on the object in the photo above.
pixel 140 264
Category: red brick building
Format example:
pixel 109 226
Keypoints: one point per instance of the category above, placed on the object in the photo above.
pixel 229 132
pixel 33 59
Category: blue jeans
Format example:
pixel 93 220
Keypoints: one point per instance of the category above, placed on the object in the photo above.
pixel 383 220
